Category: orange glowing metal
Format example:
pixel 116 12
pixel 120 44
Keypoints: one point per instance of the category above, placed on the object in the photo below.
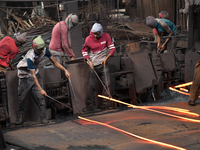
pixel 183 89
pixel 134 135
pixel 183 85
pixel 172 108
pixel 134 106
pixel 178 91
pixel 173 89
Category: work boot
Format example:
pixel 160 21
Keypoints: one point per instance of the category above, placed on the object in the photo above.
pixel 44 120
pixel 191 103
pixel 19 120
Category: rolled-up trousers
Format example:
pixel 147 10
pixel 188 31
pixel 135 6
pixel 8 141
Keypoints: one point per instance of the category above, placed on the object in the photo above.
pixel 195 87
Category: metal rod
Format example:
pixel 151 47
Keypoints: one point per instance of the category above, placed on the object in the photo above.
pixel 107 82
pixel 75 96
pixel 102 83
pixel 61 103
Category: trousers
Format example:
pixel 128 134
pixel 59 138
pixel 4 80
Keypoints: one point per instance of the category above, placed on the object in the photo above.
pixel 104 75
pixel 27 85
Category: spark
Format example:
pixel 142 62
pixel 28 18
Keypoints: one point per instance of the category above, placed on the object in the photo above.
pixel 131 134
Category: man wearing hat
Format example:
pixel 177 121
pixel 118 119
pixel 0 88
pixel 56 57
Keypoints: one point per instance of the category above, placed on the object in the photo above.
pixel 30 80
pixel 96 54
pixel 60 40
pixel 9 49
pixel 164 27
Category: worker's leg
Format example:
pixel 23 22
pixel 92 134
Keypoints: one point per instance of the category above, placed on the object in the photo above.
pixel 91 101
pixel 40 100
pixel 23 89
pixel 105 77
pixel 195 87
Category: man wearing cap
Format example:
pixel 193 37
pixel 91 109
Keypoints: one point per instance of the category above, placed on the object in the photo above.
pixel 60 40
pixel 30 80
pixel 95 52
pixel 9 49
pixel 163 26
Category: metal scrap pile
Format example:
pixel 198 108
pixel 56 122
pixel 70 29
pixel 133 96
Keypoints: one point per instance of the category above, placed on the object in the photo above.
pixel 44 31
pixel 22 20
pixel 19 19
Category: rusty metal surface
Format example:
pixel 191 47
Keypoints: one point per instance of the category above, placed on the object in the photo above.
pixel 50 75
pixel 79 135
pixel 168 61
pixel 31 109
pixel 79 78
pixel 191 58
pixel 143 71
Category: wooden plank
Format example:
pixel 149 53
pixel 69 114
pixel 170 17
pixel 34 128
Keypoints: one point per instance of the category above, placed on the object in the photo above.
pixel 4 26
pixel 15 17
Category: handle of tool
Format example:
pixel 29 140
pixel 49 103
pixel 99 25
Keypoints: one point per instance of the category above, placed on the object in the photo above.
pixel 75 96
pixel 61 103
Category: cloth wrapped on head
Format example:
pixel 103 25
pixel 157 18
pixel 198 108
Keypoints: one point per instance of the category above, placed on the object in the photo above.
pixel 71 21
pixel 97 28
pixel 38 42
pixel 151 22
pixel 21 37
pixel 164 14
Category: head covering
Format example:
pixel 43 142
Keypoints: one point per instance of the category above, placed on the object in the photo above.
pixel 97 28
pixel 21 37
pixel 71 21
pixel 38 42
pixel 150 21
pixel 164 15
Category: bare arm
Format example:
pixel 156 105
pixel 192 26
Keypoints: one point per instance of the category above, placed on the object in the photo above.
pixel 159 41
pixel 59 66
pixel 90 64
pixel 42 92
pixel 167 40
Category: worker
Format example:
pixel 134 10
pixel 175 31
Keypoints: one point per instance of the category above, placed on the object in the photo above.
pixel 95 53
pixel 60 40
pixel 9 49
pixel 194 89
pixel 186 9
pixel 164 15
pixel 30 80
pixel 164 26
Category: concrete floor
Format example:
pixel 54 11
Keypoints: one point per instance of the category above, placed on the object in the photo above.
pixel 76 134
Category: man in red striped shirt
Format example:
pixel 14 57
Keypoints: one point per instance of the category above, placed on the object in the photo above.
pixel 95 51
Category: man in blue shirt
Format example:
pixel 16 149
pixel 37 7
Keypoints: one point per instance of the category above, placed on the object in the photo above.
pixel 30 80
pixel 164 27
